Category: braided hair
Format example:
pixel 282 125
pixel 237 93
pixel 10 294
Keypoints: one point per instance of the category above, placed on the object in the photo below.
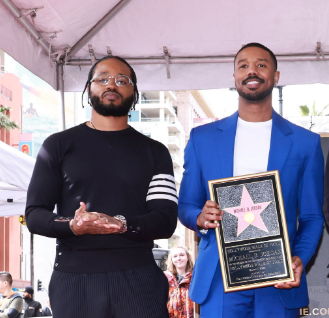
pixel 133 77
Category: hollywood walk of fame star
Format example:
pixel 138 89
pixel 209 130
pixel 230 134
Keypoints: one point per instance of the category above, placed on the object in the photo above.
pixel 248 213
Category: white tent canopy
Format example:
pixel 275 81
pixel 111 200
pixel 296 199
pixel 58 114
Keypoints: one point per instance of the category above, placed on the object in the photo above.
pixel 15 173
pixel 200 37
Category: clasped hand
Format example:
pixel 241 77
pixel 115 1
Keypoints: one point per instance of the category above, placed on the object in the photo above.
pixel 94 222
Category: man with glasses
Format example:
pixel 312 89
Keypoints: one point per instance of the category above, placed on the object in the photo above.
pixel 115 193
pixel 11 303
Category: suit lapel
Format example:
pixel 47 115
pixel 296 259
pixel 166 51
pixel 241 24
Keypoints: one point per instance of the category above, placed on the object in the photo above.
pixel 280 144
pixel 225 137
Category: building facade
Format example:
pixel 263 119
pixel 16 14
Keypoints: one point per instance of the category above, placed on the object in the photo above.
pixel 155 117
pixel 11 239
pixel 191 108
pixel 191 105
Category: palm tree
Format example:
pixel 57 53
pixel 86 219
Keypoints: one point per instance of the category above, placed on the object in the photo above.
pixel 5 121
pixel 305 111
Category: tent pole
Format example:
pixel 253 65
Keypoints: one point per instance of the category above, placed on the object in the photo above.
pixel 280 88
pixel 32 260
pixel 97 27
pixel 193 60
pixel 26 24
pixel 60 85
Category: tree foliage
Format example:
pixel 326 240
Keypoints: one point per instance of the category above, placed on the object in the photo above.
pixel 5 121
pixel 305 111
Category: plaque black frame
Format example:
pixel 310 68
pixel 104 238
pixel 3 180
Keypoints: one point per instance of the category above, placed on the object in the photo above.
pixel 269 243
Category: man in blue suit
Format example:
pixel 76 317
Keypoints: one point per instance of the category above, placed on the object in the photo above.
pixel 254 139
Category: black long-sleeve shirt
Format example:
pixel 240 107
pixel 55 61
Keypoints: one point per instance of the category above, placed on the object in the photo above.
pixel 32 308
pixel 113 172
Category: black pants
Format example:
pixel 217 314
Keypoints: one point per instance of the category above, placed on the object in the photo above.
pixel 134 293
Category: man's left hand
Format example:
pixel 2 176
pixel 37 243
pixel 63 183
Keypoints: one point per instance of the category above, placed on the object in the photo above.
pixel 93 222
pixel 106 224
pixel 297 267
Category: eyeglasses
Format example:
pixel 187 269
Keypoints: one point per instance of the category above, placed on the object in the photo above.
pixel 120 80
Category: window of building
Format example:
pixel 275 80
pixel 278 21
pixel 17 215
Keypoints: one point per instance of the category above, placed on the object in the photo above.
pixel 6 92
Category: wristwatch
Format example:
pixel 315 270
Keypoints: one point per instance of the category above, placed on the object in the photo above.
pixel 124 223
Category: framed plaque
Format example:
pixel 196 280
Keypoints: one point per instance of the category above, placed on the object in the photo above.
pixel 252 238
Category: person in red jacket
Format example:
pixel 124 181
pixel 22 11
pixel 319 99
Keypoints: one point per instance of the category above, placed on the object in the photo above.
pixel 179 273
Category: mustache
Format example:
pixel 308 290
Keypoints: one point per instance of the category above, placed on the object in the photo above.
pixel 252 77
pixel 113 91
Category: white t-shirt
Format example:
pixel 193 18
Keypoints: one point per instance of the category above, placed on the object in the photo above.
pixel 251 147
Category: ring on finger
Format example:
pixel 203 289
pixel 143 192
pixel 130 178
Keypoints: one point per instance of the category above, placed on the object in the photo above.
pixel 99 216
pixel 205 224
pixel 107 221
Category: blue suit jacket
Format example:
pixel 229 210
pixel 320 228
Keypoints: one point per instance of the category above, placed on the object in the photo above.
pixel 296 153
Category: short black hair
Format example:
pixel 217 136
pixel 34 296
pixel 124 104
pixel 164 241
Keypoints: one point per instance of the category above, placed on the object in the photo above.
pixel 6 277
pixel 261 46
pixel 133 76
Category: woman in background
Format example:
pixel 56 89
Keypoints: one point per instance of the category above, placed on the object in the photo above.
pixel 179 272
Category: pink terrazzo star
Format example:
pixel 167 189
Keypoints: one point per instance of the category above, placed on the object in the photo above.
pixel 248 213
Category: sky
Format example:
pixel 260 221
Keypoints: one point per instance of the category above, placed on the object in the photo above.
pixel 224 102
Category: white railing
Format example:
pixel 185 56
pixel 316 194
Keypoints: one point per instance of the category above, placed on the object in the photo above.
pixel 173 140
pixel 150 101
pixel 148 120
pixel 167 104
pixel 175 121
pixel 154 119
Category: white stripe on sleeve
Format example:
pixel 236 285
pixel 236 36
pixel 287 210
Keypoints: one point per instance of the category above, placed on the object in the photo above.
pixel 162 189
pixel 164 176
pixel 162 183
pixel 161 196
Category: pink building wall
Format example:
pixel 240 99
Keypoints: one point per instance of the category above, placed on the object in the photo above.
pixel 10 228
pixel 12 83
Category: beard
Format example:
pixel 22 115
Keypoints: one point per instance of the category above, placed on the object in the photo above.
pixel 256 96
pixel 111 109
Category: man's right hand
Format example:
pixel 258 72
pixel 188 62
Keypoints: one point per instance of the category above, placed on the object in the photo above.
pixel 209 213
pixel 94 223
